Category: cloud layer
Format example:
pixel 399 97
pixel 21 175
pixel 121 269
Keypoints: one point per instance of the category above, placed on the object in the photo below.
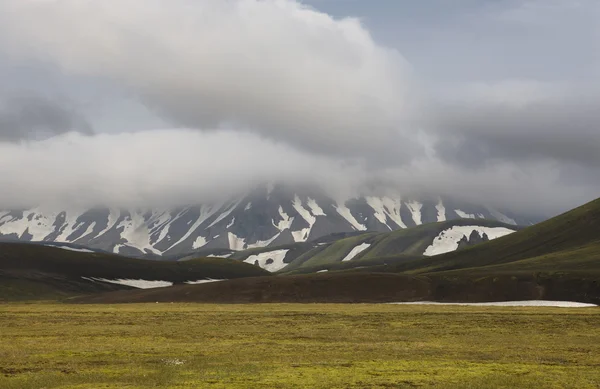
pixel 275 67
pixel 275 90
pixel 31 117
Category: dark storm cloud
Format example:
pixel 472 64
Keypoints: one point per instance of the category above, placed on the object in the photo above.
pixel 31 117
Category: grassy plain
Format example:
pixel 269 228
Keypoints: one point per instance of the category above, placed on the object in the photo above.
pixel 297 346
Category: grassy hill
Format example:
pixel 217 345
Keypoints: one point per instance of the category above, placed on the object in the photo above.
pixel 328 253
pixel 32 271
pixel 568 242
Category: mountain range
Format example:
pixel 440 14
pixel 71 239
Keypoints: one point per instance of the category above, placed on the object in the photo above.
pixel 269 216
pixel 455 260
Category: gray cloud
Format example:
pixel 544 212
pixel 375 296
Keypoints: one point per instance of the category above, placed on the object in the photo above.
pixel 276 90
pixel 172 167
pixel 277 68
pixel 31 117
pixel 519 122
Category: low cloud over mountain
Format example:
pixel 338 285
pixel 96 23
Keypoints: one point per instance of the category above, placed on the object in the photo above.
pixel 277 90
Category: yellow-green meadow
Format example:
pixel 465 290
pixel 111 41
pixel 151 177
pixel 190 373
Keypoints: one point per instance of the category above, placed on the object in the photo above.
pixel 297 346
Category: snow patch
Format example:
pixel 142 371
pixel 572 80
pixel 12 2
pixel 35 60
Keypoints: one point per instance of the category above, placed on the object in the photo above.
pixel 231 222
pixel 464 215
pixel 285 222
pixel 40 226
pixel 199 242
pixel 527 303
pixel 226 213
pixel 113 217
pixel 136 233
pixel 219 256
pixel 262 243
pixel 140 284
pixel 386 207
pixel 276 256
pixel 441 211
pixel 448 239
pixel 71 249
pixel 236 243
pixel 205 213
pixel 346 214
pixel 207 280
pixel 355 251
pixel 302 235
pixel 415 210
pixel 314 207
pixel 501 217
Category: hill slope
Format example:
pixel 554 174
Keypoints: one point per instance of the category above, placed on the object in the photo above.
pixel 34 271
pixel 570 241
pixel 344 251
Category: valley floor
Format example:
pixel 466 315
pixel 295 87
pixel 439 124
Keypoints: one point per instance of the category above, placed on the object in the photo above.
pixel 297 346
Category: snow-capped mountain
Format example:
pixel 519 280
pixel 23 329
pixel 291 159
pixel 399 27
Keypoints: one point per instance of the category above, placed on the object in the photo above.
pixel 269 216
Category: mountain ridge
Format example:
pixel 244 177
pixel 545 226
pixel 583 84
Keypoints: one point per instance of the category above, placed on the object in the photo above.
pixel 266 217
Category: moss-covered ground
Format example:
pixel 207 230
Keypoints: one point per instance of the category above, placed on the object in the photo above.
pixel 297 346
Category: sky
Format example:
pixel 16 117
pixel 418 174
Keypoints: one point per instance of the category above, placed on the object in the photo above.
pixel 169 102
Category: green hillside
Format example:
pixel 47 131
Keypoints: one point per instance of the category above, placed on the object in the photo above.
pixel 328 254
pixel 32 271
pixel 570 241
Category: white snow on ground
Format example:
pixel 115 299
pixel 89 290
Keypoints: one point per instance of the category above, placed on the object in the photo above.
pixel 302 235
pixel 277 256
pixel 386 207
pixel 113 217
pixel 464 215
pixel 323 271
pixel 236 243
pixel 248 206
pixel 41 225
pixel 441 216
pixel 377 205
pixel 219 256
pixel 162 221
pixel 140 284
pixel 355 251
pixel 117 248
pixel 231 222
pixel 202 281
pixel 135 232
pixel 205 213
pixel 263 243
pixel 415 210
pixel 89 230
pixel 285 222
pixel 501 217
pixel 314 207
pixel 346 214
pixel 199 242
pixel 528 303
pixel 72 249
pixel 70 226
pixel 448 239
pixel 227 212
pixel 392 210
